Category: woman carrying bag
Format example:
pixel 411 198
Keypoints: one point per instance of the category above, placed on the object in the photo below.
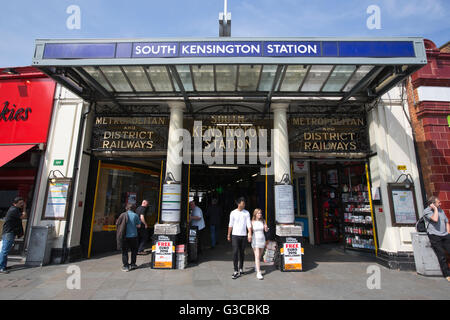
pixel 259 226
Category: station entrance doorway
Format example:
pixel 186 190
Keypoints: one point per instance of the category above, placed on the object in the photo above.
pixel 226 184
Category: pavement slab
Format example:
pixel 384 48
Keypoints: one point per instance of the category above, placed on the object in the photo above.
pixel 329 273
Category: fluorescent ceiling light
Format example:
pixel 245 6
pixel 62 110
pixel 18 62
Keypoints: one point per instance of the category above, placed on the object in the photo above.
pixel 222 167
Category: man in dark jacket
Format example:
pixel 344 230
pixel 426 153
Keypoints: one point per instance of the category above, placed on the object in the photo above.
pixel 143 231
pixel 127 236
pixel 12 228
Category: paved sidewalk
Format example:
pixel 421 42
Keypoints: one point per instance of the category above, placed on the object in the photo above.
pixel 329 273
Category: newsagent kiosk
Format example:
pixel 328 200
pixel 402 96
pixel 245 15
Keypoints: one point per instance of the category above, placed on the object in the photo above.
pixel 313 131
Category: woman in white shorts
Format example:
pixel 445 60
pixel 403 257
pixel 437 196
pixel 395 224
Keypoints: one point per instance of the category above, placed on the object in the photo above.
pixel 258 239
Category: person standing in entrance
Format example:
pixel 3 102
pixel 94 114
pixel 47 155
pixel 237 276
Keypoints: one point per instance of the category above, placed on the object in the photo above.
pixel 143 231
pixel 214 213
pixel 438 232
pixel 258 240
pixel 127 236
pixel 239 231
pixel 12 228
pixel 196 219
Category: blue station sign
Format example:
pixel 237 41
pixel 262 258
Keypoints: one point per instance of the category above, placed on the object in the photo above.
pixel 181 49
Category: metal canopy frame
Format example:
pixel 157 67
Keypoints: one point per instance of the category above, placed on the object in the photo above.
pixel 156 73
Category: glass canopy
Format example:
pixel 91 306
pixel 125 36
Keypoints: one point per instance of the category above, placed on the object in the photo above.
pixel 228 78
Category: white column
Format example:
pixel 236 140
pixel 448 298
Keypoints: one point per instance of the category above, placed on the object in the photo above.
pixel 281 160
pixel 171 197
pixel 284 196
pixel 176 122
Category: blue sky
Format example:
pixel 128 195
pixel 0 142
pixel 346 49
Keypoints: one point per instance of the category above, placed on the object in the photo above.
pixel 23 21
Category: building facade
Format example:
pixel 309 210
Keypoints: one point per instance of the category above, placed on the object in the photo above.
pixel 429 107
pixel 326 138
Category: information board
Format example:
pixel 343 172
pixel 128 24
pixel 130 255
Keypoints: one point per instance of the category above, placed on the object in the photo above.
pixel 171 202
pixel 402 200
pixel 56 199
pixel 284 203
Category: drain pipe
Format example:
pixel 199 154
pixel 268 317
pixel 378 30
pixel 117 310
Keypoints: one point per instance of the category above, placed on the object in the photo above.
pixel 70 197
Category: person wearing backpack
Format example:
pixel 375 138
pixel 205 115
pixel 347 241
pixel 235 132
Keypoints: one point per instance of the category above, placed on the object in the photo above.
pixel 438 230
pixel 127 236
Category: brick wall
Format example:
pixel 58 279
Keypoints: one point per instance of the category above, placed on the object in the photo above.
pixel 429 121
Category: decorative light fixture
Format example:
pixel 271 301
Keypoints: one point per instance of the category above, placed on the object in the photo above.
pixel 285 179
pixel 170 179
pixel 52 176
pixel 408 180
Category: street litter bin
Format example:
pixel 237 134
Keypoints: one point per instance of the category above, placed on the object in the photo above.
pixel 39 247
pixel 193 244
pixel 424 256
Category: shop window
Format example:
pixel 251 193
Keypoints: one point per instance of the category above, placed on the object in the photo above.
pixel 120 185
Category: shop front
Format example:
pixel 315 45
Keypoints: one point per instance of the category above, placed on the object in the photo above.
pixel 126 166
pixel 219 116
pixel 26 102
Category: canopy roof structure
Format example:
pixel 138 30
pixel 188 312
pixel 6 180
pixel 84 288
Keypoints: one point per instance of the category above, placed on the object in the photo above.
pixel 315 70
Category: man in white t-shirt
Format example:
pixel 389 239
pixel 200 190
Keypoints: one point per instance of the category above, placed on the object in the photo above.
pixel 196 219
pixel 239 231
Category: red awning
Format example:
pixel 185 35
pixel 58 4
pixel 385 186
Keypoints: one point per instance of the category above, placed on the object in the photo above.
pixel 7 153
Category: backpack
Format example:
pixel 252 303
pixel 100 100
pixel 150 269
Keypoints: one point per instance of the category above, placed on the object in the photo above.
pixel 421 226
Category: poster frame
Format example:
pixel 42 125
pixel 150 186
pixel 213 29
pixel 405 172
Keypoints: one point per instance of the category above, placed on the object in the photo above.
pixel 401 187
pixel 53 181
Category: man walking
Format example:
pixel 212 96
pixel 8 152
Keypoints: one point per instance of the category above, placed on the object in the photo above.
pixel 239 230
pixel 196 219
pixel 438 232
pixel 127 236
pixel 143 231
pixel 214 213
pixel 12 228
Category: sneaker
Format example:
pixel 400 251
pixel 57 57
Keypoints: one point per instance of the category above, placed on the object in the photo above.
pixel 125 268
pixel 241 271
pixel 235 275
pixel 133 267
pixel 4 271
pixel 259 276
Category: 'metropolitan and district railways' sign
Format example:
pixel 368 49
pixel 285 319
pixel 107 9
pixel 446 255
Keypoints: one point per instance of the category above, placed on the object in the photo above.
pixel 130 134
pixel 320 134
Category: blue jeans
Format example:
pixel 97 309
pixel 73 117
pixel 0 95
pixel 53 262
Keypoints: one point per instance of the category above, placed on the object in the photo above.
pixel 8 241
pixel 213 235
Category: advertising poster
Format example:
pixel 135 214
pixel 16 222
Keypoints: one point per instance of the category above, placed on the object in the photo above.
pixel 131 198
pixel 163 254
pixel 292 256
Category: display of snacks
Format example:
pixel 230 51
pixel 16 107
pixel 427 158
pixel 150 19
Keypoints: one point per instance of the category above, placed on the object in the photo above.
pixel 358 224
